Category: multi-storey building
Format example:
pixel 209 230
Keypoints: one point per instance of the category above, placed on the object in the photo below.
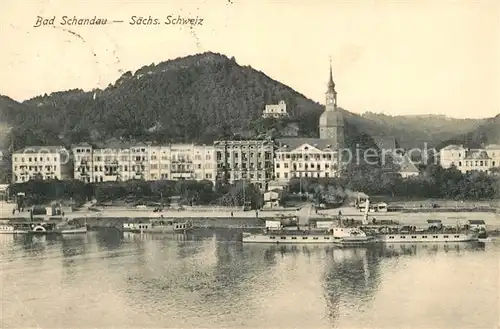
pixel 42 162
pixel 111 162
pixel 493 152
pixel 83 162
pixel 182 161
pixel 275 110
pixel 118 161
pixel 250 160
pixel 467 160
pixel 305 157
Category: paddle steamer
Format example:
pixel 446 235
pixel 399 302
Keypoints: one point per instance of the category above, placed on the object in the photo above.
pixel 288 231
pixel 42 227
pixel 354 232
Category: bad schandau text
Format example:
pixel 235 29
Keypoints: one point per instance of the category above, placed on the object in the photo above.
pixel 132 20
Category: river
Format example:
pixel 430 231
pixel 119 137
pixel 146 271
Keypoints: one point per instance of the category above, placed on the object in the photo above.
pixel 208 279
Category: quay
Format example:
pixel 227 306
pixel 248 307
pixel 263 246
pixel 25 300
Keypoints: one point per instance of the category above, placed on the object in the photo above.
pixel 217 217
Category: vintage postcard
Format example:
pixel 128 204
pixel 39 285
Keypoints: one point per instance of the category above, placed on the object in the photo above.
pixel 250 164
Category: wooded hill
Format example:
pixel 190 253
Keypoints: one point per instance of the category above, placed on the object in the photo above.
pixel 200 98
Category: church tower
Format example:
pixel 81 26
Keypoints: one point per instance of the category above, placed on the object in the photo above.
pixel 331 121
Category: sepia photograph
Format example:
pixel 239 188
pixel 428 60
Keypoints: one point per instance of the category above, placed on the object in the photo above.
pixel 250 164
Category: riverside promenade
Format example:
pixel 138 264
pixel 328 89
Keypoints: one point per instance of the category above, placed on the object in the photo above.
pixel 215 217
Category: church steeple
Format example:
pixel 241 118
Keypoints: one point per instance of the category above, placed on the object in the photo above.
pixel 331 94
pixel 331 122
pixel 331 84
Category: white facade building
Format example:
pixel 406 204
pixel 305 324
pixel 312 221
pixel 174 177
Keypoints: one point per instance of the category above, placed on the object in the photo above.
pixel 275 110
pixel 111 162
pixel 42 162
pixel 493 152
pixel 305 157
pixel 467 160
pixel 118 161
pixel 183 161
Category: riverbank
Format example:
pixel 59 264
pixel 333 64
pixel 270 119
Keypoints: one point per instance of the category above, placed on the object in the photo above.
pixel 232 217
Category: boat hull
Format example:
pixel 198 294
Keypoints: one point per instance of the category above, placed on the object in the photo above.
pixel 355 241
pixel 303 239
pixel 78 230
pixel 425 238
pixel 156 230
pixel 40 230
pixel 13 232
pixel 288 239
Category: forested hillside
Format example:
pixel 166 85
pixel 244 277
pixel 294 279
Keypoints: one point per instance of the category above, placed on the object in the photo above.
pixel 196 98
pixel 430 128
pixel 487 133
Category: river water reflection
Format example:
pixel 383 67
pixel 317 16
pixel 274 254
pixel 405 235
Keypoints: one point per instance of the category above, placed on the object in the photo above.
pixel 209 280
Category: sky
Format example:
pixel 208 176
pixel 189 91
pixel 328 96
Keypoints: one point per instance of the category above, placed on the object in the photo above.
pixel 392 57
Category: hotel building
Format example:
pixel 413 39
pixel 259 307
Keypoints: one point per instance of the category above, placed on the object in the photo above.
pixel 250 160
pixel 118 161
pixel 110 162
pixel 467 160
pixel 305 157
pixel 42 162
pixel 182 161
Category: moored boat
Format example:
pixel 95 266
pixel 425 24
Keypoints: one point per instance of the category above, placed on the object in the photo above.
pixel 42 227
pixel 158 226
pixel 290 232
pixel 12 229
pixel 425 237
pixel 341 236
pixel 434 232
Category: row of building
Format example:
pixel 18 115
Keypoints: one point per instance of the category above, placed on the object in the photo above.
pixel 257 161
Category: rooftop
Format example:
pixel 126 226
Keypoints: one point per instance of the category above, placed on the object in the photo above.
pixel 289 144
pixel 477 155
pixel 493 147
pixel 452 147
pixel 41 149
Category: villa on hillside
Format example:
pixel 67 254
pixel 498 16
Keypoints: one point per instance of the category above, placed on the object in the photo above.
pixel 275 111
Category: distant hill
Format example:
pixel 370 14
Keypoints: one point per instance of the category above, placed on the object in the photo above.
pixel 195 98
pixel 415 129
pixel 486 133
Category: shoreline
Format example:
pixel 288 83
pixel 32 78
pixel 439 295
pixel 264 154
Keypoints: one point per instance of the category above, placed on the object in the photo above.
pixel 231 217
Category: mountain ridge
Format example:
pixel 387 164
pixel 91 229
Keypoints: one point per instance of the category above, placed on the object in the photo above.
pixel 199 97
